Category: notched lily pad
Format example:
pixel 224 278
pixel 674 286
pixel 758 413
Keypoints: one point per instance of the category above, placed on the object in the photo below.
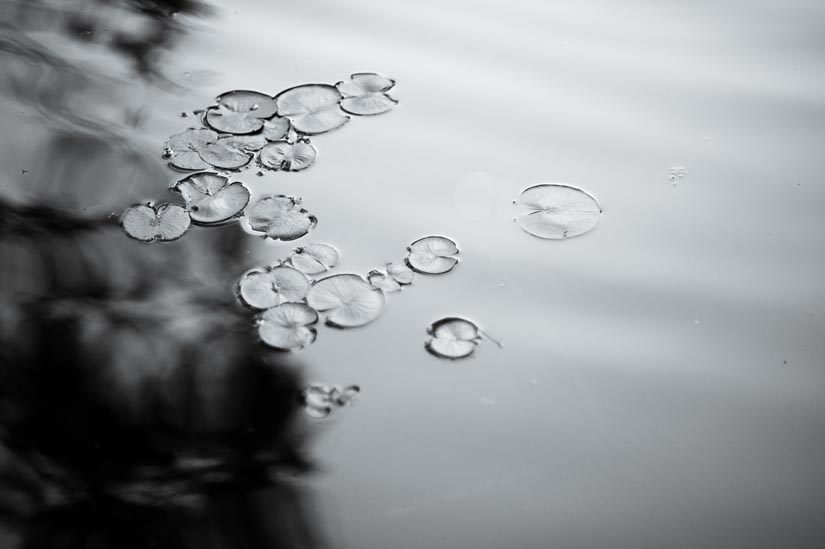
pixel 321 400
pixel 558 211
pixel 162 222
pixel 280 217
pixel 276 129
pixel 432 255
pixel 349 299
pixel 365 94
pixel 393 279
pixel 211 198
pixel 452 337
pixel 312 108
pixel 183 149
pixel 267 287
pixel 315 258
pixel 286 156
pixel 288 326
pixel 240 112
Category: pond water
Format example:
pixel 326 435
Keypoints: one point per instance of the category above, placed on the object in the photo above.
pixel 661 378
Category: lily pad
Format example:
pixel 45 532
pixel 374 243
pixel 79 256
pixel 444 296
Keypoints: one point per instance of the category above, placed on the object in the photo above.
pixel 267 287
pixel 286 156
pixel 312 108
pixel 276 129
pixel 452 337
pixel 558 211
pixel 432 255
pixel 365 94
pixel 321 400
pixel 148 223
pixel 288 326
pixel 211 198
pixel 280 217
pixel 240 112
pixel 393 279
pixel 248 143
pixel 348 298
pixel 315 258
pixel 225 156
pixel 183 149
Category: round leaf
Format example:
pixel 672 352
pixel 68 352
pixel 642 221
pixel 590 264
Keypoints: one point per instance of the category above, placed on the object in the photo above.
pixel 276 129
pixel 225 156
pixel 452 337
pixel 210 197
pixel 350 300
pixel 558 211
pixel 290 157
pixel 265 288
pixel 240 112
pixel 182 149
pixel 315 258
pixel 364 94
pixel 148 223
pixel 312 108
pixel 432 255
pixel 288 326
pixel 280 217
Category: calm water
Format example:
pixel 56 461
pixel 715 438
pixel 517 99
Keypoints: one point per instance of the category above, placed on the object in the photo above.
pixel 662 379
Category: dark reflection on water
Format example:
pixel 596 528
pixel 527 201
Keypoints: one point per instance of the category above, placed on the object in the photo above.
pixel 137 408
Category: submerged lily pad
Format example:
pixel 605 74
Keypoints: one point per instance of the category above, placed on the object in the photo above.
pixel 240 112
pixel 163 222
pixel 432 255
pixel 267 287
pixel 365 94
pixel 558 211
pixel 290 157
pixel 315 258
pixel 348 298
pixel 183 149
pixel 452 337
pixel 211 198
pixel 276 129
pixel 321 400
pixel 397 275
pixel 288 326
pixel 312 108
pixel 280 217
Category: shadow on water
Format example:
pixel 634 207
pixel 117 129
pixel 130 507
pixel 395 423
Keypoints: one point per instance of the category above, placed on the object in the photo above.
pixel 137 407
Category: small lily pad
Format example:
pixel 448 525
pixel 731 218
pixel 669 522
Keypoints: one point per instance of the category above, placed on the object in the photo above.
pixel 280 217
pixel 267 287
pixel 393 279
pixel 286 156
pixel 240 112
pixel 288 326
pixel 558 211
pixel 312 108
pixel 314 258
pixel 452 337
pixel 432 255
pixel 148 223
pixel 183 149
pixel 348 298
pixel 276 129
pixel 211 198
pixel 365 94
pixel 321 400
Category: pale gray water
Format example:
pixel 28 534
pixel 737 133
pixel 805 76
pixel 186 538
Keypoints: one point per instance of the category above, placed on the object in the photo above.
pixel 662 379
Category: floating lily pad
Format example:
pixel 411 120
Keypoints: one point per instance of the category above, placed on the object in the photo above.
pixel 315 258
pixel 288 326
pixel 393 279
pixel 276 129
pixel 312 108
pixel 267 287
pixel 321 400
pixel 452 337
pixel 365 94
pixel 162 222
pixel 432 255
pixel 240 112
pixel 290 157
pixel 348 298
pixel 183 148
pixel 280 217
pixel 558 211
pixel 211 198
pixel 248 143
pixel 225 156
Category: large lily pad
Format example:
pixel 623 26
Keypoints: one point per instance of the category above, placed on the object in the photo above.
pixel 280 217
pixel 393 279
pixel 348 298
pixel 183 149
pixel 558 211
pixel 286 156
pixel 452 337
pixel 432 255
pixel 288 326
pixel 312 108
pixel 267 287
pixel 162 222
pixel 211 198
pixel 365 94
pixel 240 112
pixel 315 258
